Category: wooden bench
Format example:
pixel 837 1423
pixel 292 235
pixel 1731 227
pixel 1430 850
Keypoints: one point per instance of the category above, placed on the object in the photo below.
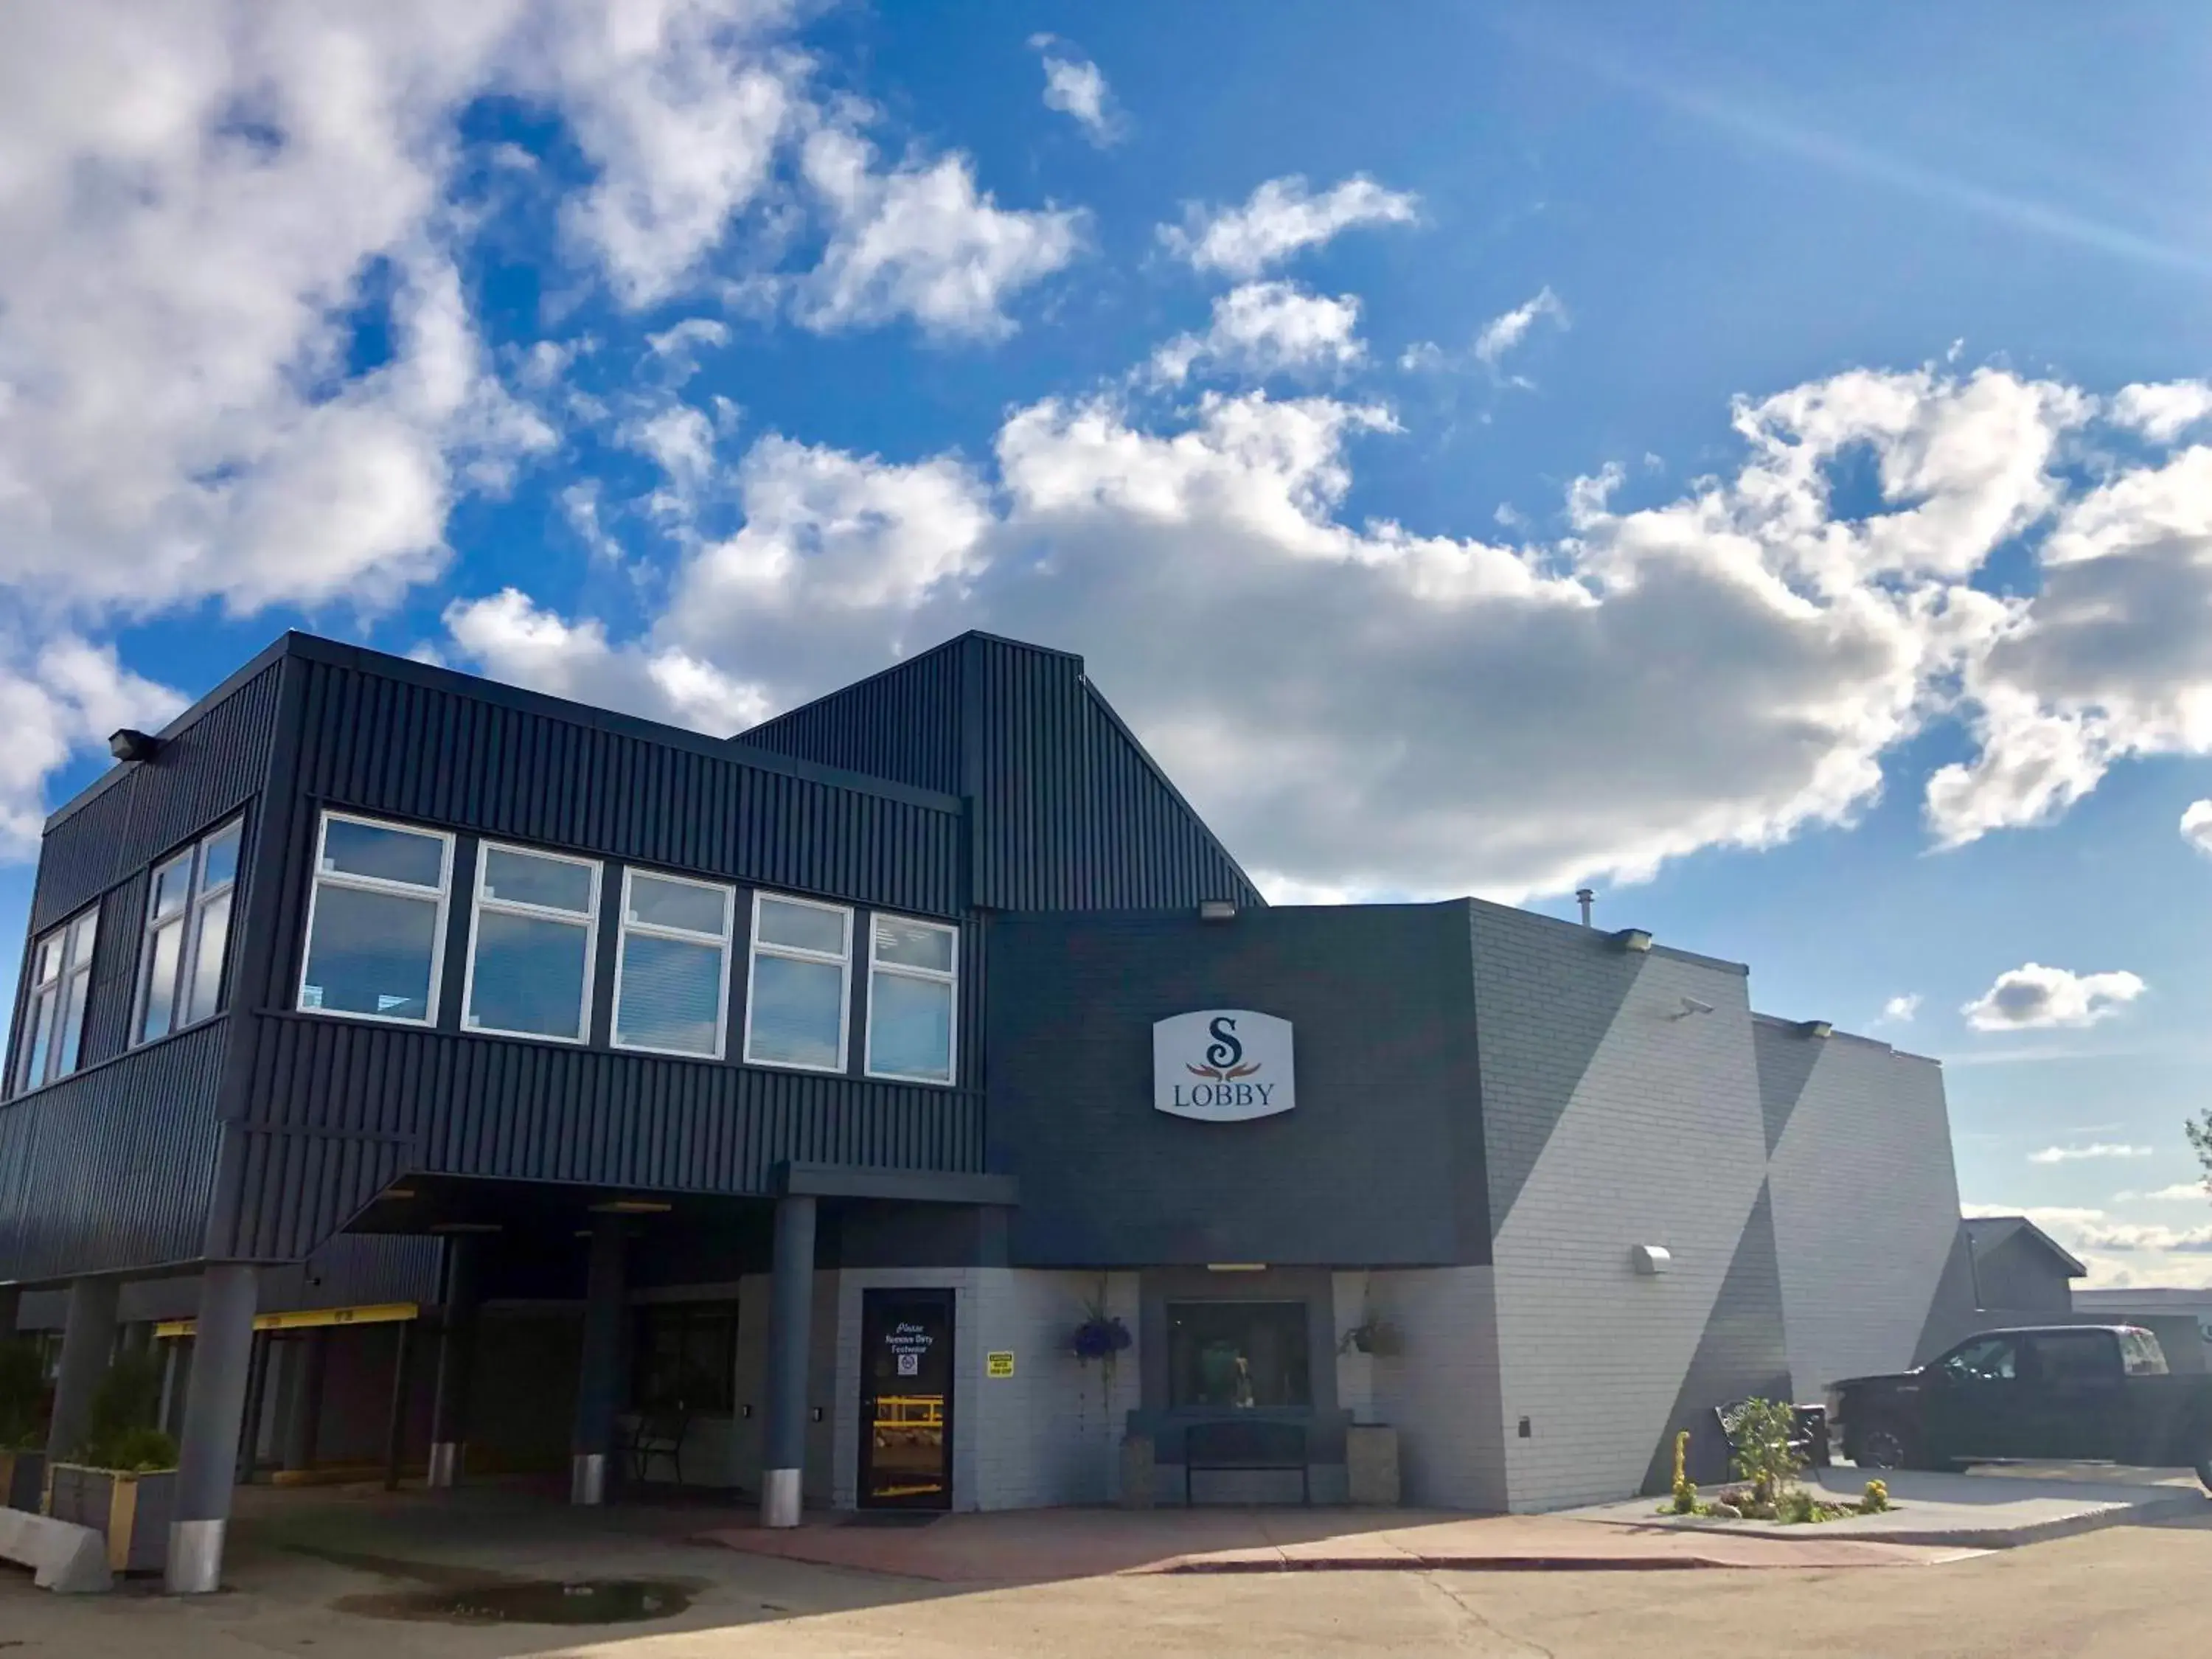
pixel 659 1433
pixel 1253 1443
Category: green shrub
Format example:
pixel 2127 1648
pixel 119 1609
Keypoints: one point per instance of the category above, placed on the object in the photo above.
pixel 22 1397
pixel 1763 1452
pixel 1798 1506
pixel 136 1451
pixel 1876 1498
pixel 120 1431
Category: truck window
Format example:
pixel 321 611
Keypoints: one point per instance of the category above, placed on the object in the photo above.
pixel 2141 1354
pixel 1988 1359
pixel 2074 1357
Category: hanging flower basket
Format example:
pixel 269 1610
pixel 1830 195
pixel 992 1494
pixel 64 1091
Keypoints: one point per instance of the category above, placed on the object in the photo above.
pixel 1101 1337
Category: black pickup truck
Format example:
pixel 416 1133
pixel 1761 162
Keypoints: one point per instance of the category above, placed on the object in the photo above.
pixel 2043 1394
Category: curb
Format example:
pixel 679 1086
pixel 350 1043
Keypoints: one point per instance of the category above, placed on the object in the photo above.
pixel 1442 1564
pixel 1974 1538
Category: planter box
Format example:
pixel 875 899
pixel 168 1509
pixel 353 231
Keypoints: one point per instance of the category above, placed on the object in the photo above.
pixel 22 1479
pixel 131 1511
pixel 1371 1456
pixel 1136 1471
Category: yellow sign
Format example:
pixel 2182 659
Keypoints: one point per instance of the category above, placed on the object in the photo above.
pixel 998 1365
pixel 382 1313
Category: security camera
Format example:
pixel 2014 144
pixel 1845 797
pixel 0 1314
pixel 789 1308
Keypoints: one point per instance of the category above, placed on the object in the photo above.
pixel 1692 1005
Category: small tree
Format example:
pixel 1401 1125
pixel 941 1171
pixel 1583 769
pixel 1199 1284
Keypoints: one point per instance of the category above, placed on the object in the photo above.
pixel 22 1397
pixel 1686 1490
pixel 121 1433
pixel 2199 1131
pixel 1761 1433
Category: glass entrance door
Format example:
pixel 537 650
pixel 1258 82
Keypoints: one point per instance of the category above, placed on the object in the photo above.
pixel 906 1400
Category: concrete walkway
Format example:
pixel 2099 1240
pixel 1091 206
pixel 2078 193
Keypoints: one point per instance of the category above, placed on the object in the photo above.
pixel 1982 1509
pixel 1038 1546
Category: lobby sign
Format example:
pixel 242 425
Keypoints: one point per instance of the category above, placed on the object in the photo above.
pixel 1223 1066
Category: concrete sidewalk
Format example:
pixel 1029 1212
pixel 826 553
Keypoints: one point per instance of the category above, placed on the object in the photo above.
pixel 1040 1545
pixel 1981 1510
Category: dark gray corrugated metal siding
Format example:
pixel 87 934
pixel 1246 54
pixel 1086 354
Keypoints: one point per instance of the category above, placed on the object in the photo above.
pixel 470 761
pixel 1071 813
pixel 206 768
pixel 343 1107
pixel 903 723
pixel 114 1167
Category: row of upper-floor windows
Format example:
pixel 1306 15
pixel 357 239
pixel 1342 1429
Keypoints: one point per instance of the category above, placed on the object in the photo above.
pixel 181 952
pixel 378 916
pixel 377 923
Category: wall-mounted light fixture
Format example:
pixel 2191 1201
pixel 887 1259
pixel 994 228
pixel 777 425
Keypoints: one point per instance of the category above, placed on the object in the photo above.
pixel 1817 1028
pixel 1632 938
pixel 1216 910
pixel 464 1227
pixel 632 1206
pixel 1650 1259
pixel 130 744
pixel 1235 1266
pixel 390 1192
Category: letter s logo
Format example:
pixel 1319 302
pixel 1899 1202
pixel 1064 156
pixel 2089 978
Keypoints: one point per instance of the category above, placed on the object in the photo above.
pixel 1224 1050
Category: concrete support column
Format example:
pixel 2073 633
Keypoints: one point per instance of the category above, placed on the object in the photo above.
pixel 215 1412
pixel 790 1315
pixel 88 1345
pixel 457 1338
pixel 303 1422
pixel 599 1383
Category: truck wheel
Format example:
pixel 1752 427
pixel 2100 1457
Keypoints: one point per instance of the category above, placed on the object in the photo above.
pixel 2200 1441
pixel 1882 1445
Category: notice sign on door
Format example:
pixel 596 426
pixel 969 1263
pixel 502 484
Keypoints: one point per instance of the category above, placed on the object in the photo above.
pixel 998 1364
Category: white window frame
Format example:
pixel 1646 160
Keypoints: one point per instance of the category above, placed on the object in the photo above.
pixel 479 904
pixel 196 896
pixel 66 969
pixel 951 979
pixel 628 924
pixel 754 950
pixel 321 878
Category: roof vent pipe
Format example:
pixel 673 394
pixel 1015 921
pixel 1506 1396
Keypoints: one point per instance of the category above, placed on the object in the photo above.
pixel 1585 898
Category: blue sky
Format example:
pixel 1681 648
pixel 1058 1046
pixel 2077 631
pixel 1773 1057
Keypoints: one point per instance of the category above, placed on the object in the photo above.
pixel 1747 461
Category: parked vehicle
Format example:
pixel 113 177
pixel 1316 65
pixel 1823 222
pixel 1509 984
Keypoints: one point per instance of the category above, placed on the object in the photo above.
pixel 2041 1394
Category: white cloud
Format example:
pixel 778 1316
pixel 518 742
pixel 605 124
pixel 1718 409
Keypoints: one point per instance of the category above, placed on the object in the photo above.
pixel 1267 328
pixel 1075 88
pixel 1504 333
pixel 1283 217
pixel 2099 1149
pixel 1899 1010
pixel 61 696
pixel 2163 412
pixel 920 241
pixel 2181 1192
pixel 2196 826
pixel 513 640
pixel 2033 997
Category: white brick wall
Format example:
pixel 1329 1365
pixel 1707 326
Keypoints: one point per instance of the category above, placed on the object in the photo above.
pixel 1662 1142
pixel 1866 1203
pixel 1441 1391
pixel 1350 1293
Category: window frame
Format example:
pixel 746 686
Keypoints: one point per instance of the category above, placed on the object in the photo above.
pixel 318 877
pixel 67 969
pixel 197 896
pixel 950 978
pixel 755 947
pixel 624 928
pixel 589 921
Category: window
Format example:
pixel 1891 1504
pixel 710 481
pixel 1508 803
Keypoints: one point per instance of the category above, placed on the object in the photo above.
pixel 530 944
pixel 187 934
pixel 2067 1359
pixel 60 984
pixel 1991 1359
pixel 375 921
pixel 1237 1354
pixel 672 966
pixel 2142 1354
pixel 686 1358
pixel 913 980
pixel 801 980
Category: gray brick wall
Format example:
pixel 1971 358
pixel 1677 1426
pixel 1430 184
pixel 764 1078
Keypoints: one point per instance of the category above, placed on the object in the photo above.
pixel 1866 1206
pixel 1441 1391
pixel 1660 1140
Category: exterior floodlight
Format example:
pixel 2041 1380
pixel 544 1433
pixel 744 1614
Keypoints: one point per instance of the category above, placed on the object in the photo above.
pixel 1633 938
pixel 1216 910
